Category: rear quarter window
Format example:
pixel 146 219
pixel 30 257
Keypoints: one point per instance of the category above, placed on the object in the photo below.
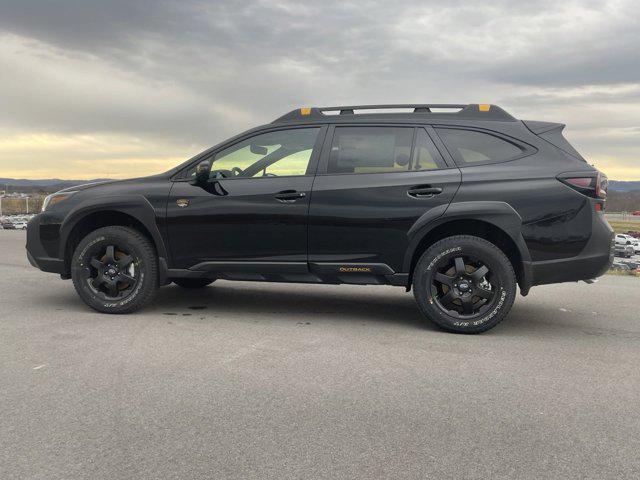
pixel 471 147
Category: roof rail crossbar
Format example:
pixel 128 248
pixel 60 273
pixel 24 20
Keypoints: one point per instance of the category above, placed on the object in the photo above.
pixel 420 107
pixel 472 110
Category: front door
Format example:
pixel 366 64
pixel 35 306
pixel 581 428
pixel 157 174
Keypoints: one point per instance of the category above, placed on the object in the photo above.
pixel 373 183
pixel 253 218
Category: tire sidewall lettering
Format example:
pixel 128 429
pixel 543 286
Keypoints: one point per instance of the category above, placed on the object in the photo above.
pixel 502 282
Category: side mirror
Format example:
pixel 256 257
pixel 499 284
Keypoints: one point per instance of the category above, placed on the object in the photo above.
pixel 258 150
pixel 202 174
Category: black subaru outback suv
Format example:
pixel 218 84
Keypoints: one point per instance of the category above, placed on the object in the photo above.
pixel 458 202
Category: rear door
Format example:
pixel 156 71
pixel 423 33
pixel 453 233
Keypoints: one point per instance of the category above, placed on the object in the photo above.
pixel 373 183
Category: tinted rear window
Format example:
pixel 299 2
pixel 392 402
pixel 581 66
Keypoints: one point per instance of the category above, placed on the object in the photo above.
pixel 370 150
pixel 469 147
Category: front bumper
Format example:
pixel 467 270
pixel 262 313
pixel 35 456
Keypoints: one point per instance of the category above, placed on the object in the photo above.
pixel 36 252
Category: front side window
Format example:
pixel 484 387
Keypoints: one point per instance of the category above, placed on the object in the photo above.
pixel 273 154
pixel 469 146
pixel 370 150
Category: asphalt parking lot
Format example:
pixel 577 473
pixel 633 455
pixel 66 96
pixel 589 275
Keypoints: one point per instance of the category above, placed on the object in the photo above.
pixel 247 380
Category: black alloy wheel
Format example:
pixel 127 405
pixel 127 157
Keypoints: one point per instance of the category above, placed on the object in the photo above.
pixel 464 284
pixel 112 272
pixel 115 269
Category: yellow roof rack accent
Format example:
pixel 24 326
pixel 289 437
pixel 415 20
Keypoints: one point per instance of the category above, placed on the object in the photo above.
pixel 471 111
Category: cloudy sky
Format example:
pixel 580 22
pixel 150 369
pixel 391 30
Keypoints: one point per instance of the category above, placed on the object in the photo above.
pixel 118 88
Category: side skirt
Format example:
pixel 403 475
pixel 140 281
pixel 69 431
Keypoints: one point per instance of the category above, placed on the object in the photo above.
pixel 294 272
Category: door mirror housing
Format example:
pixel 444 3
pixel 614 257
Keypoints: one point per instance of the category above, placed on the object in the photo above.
pixel 202 174
pixel 258 149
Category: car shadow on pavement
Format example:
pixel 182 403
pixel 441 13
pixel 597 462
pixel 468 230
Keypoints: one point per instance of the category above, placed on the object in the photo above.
pixel 312 303
pixel 296 304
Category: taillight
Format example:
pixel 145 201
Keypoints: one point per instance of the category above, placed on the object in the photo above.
pixel 582 182
pixel 602 185
pixel 593 185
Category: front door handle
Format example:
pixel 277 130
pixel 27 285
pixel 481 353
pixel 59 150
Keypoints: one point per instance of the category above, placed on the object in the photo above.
pixel 289 196
pixel 424 192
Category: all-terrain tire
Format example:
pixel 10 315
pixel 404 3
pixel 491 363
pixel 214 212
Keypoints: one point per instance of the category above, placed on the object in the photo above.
pixel 193 283
pixel 144 262
pixel 500 280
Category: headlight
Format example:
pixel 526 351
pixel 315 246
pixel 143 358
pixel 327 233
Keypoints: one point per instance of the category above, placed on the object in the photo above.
pixel 51 200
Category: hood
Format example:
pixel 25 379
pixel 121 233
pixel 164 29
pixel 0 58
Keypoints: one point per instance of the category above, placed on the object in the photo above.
pixel 84 186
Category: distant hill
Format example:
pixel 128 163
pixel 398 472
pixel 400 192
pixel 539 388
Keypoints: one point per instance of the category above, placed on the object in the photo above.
pixel 47 185
pixel 620 186
pixel 623 201
pixel 623 196
pixel 23 182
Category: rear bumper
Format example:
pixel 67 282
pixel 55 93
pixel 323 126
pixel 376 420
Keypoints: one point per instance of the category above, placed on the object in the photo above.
pixel 36 253
pixel 594 260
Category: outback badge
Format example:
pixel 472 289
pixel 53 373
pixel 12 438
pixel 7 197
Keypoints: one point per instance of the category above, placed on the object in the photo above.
pixel 182 202
pixel 355 269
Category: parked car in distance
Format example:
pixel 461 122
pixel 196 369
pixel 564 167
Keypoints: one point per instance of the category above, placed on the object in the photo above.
pixel 8 226
pixel 623 239
pixel 460 203
pixel 623 250
pixel 636 213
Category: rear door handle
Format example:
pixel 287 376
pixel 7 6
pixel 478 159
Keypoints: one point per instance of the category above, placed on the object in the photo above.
pixel 424 192
pixel 289 196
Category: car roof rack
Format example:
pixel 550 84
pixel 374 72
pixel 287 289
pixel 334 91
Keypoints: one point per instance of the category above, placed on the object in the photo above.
pixel 476 111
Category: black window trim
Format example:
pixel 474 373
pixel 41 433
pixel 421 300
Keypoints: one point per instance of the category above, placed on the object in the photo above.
pixel 208 154
pixel 444 154
pixel 323 164
pixel 527 149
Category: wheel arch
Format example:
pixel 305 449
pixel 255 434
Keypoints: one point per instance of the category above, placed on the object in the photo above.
pixel 496 222
pixel 132 211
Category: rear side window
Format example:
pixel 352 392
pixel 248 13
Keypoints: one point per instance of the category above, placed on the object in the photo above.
pixel 370 150
pixel 470 147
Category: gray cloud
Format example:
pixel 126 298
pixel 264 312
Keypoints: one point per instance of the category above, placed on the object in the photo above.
pixel 192 72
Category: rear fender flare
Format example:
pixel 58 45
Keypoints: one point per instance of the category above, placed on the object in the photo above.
pixel 499 214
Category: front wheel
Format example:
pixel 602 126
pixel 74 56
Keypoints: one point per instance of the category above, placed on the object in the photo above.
pixel 115 270
pixel 464 284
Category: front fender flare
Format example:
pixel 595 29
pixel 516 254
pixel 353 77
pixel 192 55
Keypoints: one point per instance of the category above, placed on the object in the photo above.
pixel 136 206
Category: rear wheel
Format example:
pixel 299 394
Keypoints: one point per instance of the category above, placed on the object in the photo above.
pixel 464 284
pixel 115 270
pixel 192 283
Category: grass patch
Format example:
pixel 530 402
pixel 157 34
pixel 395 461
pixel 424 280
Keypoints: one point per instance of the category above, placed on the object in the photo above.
pixel 620 226
pixel 623 273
